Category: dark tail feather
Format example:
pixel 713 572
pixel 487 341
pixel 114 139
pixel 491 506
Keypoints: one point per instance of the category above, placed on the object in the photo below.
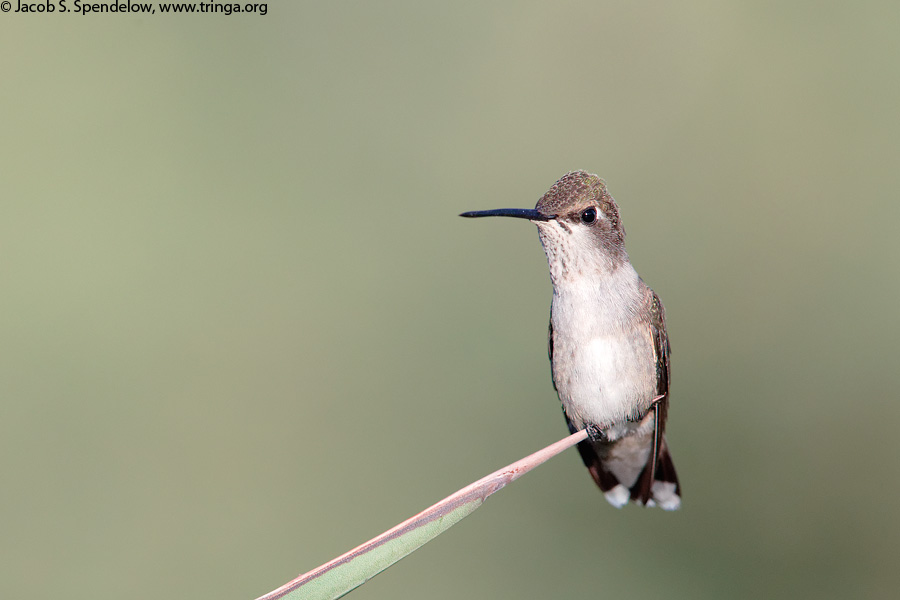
pixel 603 478
pixel 658 483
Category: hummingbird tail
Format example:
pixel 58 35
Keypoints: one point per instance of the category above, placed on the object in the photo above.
pixel 656 484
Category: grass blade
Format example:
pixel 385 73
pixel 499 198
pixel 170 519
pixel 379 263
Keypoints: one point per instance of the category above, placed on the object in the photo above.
pixel 350 570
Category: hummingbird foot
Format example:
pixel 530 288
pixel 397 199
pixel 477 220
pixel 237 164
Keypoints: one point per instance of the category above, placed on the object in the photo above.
pixel 595 434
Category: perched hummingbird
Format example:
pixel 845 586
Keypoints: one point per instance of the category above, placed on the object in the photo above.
pixel 609 351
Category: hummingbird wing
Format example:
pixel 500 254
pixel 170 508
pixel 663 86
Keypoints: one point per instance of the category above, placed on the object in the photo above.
pixel 661 347
pixel 658 482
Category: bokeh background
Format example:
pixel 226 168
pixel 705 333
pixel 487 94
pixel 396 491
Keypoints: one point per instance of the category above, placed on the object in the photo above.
pixel 243 329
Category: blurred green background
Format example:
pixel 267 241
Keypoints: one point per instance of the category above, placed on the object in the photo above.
pixel 244 330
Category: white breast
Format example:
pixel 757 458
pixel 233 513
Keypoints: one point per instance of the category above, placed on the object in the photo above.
pixel 603 360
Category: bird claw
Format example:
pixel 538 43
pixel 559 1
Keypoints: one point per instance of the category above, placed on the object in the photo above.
pixel 595 434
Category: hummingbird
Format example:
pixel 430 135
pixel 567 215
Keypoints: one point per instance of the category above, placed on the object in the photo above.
pixel 608 346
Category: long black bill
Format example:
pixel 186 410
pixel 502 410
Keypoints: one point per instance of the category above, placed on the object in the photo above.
pixel 519 213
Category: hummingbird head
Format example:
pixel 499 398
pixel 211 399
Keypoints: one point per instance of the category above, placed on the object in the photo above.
pixel 579 225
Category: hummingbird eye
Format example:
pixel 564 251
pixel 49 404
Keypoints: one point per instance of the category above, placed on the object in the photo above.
pixel 589 215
